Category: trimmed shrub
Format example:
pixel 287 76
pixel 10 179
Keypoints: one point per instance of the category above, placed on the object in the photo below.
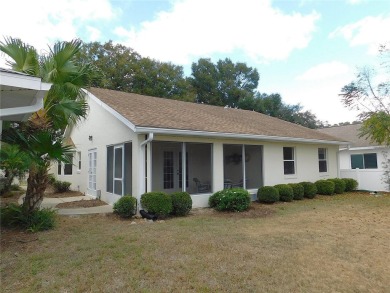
pixel 286 192
pixel 126 206
pixel 309 189
pixel 52 178
pixel 13 215
pixel 325 187
pixel 267 194
pixel 181 203
pixel 157 203
pixel 234 200
pixel 350 184
pixel 215 198
pixel 61 186
pixel 298 190
pixel 339 185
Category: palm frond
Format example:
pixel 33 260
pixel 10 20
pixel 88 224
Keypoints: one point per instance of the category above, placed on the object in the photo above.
pixel 24 57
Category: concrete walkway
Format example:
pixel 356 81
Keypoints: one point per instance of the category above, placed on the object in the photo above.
pixel 53 202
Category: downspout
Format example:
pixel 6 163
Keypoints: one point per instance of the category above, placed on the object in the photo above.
pixel 143 167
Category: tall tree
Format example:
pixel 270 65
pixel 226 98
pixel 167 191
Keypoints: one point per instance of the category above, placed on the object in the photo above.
pixel 125 70
pixel 224 83
pixel 40 138
pixel 273 105
pixel 369 94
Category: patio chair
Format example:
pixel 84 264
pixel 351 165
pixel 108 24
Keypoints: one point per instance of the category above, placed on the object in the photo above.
pixel 240 183
pixel 201 187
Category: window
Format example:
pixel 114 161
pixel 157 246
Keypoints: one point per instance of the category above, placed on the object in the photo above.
pixel 322 160
pixel 364 161
pixel 79 160
pixel 68 167
pixel 288 160
pixel 59 167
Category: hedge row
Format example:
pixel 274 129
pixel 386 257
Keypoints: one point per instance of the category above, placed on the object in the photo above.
pixel 296 191
pixel 159 204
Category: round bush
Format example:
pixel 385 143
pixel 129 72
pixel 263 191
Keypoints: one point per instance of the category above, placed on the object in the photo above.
pixel 350 184
pixel 325 187
pixel 309 189
pixel 268 194
pixel 339 185
pixel 125 207
pixel 181 203
pixel 157 203
pixel 286 192
pixel 298 190
pixel 61 186
pixel 215 198
pixel 233 200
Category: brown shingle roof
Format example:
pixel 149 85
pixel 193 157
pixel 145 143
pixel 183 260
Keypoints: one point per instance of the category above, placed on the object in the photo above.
pixel 349 133
pixel 146 111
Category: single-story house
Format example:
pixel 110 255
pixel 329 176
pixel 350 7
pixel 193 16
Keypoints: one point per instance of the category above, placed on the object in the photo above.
pixel 361 159
pixel 132 144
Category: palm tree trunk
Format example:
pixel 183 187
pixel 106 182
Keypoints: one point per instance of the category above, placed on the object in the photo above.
pixel 36 185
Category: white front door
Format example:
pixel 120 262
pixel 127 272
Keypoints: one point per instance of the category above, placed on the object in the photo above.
pixel 92 159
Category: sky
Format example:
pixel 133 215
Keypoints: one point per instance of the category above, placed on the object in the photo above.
pixel 305 50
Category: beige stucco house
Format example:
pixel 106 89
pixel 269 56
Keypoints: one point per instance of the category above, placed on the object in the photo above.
pixel 362 159
pixel 131 144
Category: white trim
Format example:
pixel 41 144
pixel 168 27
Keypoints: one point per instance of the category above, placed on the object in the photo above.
pixel 364 148
pixel 111 111
pixel 168 131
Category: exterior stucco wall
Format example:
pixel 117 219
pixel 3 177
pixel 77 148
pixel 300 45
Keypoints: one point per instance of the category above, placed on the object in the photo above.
pixel 368 179
pixel 105 130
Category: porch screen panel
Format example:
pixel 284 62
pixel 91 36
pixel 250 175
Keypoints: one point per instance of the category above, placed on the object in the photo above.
pixel 233 170
pixel 199 168
pixel 253 166
pixel 168 170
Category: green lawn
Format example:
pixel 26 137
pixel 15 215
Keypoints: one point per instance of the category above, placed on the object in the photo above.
pixel 328 244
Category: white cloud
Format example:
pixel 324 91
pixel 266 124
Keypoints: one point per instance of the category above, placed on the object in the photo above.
pixel 40 23
pixel 318 90
pixel 323 71
pixel 353 2
pixel 194 28
pixel 94 33
pixel 370 31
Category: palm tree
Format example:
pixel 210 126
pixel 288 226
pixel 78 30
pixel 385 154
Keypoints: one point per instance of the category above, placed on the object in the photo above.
pixel 64 104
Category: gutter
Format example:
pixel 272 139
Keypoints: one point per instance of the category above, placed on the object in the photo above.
pixel 38 104
pixel 168 131
pixel 142 169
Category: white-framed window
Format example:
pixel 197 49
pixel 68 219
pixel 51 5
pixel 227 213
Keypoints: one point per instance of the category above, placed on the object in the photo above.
pixel 68 167
pixel 364 161
pixel 78 161
pixel 322 160
pixel 59 167
pixel 289 160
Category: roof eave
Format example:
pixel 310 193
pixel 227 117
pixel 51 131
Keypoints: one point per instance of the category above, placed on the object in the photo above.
pixel 185 132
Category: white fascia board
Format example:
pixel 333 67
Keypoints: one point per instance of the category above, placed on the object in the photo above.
pixel 165 131
pixel 111 111
pixel 367 148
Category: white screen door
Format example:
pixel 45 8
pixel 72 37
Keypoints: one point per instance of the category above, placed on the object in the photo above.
pixel 92 157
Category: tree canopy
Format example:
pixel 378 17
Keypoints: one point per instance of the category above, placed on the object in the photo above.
pixel 369 94
pixel 223 83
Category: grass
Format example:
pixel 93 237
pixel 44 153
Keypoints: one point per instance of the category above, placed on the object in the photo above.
pixel 328 244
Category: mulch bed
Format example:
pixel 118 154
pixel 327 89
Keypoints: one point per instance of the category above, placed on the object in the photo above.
pixel 81 204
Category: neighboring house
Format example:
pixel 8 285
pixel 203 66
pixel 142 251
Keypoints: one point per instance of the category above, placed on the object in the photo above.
pixel 131 144
pixel 21 95
pixel 361 160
